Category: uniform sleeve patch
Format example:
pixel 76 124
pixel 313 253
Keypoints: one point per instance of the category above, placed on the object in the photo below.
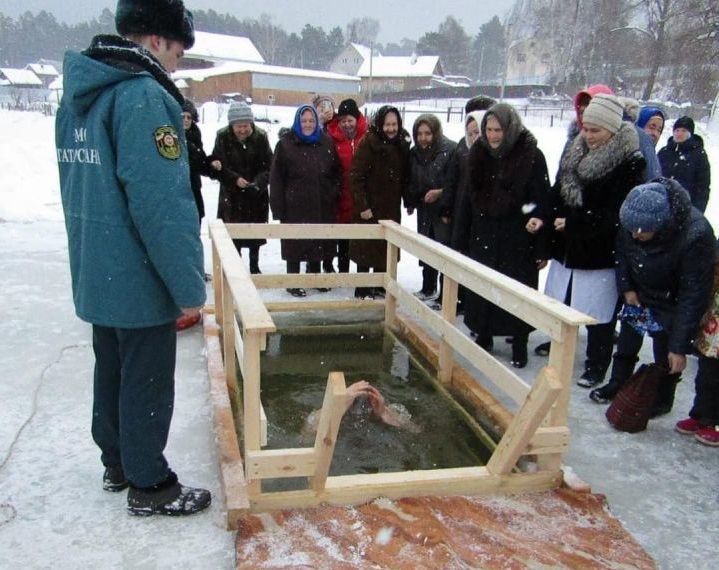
pixel 167 142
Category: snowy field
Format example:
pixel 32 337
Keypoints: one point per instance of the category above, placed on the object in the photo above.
pixel 53 512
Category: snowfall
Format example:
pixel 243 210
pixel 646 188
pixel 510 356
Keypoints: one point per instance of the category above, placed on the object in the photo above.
pixel 53 511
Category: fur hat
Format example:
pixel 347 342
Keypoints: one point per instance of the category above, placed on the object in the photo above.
pixel 647 113
pixel 239 112
pixel 605 111
pixel 631 108
pixel 646 208
pixel 167 18
pixel 684 123
pixel 348 107
pixel 478 103
pixel 189 107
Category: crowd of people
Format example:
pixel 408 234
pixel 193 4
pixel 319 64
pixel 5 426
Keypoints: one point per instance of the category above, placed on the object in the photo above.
pixel 622 227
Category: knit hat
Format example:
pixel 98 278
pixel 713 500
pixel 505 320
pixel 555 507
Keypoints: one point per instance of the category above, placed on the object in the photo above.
pixel 605 111
pixel 631 108
pixel 684 123
pixel 348 107
pixel 318 99
pixel 646 113
pixel 239 112
pixel 166 18
pixel 646 208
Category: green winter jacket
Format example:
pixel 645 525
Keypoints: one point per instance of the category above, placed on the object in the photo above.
pixel 133 234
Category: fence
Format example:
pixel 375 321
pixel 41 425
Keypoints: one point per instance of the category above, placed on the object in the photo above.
pixel 538 428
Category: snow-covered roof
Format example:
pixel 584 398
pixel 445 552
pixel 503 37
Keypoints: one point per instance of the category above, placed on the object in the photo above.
pixel 42 69
pixel 238 67
pixel 363 50
pixel 20 76
pixel 223 47
pixel 56 83
pixel 400 66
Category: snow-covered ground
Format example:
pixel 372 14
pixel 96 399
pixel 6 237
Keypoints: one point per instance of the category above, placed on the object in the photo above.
pixel 53 512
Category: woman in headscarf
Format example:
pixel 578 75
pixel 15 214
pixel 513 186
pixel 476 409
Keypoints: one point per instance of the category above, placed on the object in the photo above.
pixel 596 172
pixel 429 161
pixel 507 182
pixel 304 189
pixel 379 179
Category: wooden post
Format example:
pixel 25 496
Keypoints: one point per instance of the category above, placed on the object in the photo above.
pixel 390 307
pixel 217 282
pixel 333 408
pixel 561 359
pixel 228 336
pixel 252 430
pixel 449 313
pixel 545 391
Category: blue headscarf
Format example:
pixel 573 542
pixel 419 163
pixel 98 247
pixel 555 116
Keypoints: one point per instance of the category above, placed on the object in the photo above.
pixel 297 128
pixel 647 113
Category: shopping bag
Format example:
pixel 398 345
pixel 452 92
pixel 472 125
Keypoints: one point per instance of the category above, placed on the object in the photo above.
pixel 631 407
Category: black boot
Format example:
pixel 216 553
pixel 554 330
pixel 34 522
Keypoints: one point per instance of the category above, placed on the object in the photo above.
pixel 593 375
pixel 665 395
pixel 113 479
pixel 519 352
pixel 167 498
pixel 486 342
pixel 255 261
pixel 542 349
pixel 605 394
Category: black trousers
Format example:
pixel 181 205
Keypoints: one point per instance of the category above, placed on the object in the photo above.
pixel 311 266
pixel 134 394
pixel 628 347
pixel 706 398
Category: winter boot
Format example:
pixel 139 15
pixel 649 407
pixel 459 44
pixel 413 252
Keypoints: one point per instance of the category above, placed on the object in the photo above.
pixel 297 292
pixel 688 426
pixel 255 261
pixel 167 498
pixel 604 394
pixel 113 479
pixel 542 349
pixel 665 395
pixel 708 435
pixel 519 352
pixel 486 342
pixel 591 376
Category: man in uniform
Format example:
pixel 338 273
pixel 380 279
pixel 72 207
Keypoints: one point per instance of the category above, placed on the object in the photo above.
pixel 133 235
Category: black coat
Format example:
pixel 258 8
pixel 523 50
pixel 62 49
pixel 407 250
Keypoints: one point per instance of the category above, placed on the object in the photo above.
pixel 199 165
pixel 687 163
pixel 428 170
pixel 251 160
pixel 587 241
pixel 672 273
pixel 490 225
pixel 456 180
pixel 304 189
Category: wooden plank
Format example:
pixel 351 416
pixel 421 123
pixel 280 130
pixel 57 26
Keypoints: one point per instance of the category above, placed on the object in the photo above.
pixel 390 307
pixel 355 489
pixel 500 375
pixel 303 231
pixel 239 344
pixel 251 431
pixel 333 408
pixel 315 280
pixel 250 307
pixel 548 441
pixel 545 391
pixel 449 314
pixel 232 479
pixel 278 463
pixel 292 306
pixel 541 311
pixel 263 426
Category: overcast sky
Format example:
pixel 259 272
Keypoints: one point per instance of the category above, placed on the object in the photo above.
pixel 398 19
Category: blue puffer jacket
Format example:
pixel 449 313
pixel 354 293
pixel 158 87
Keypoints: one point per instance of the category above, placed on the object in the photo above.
pixel 132 225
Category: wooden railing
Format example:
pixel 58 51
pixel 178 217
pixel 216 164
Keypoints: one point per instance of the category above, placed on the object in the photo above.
pixel 538 428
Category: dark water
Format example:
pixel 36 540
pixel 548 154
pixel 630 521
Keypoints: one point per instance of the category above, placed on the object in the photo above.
pixel 294 376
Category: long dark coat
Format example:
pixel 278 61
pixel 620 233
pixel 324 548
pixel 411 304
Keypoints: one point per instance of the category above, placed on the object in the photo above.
pixel 456 181
pixel 688 164
pixel 304 188
pixel 490 225
pixel 251 160
pixel 199 166
pixel 591 202
pixel 379 179
pixel 428 170
pixel 673 272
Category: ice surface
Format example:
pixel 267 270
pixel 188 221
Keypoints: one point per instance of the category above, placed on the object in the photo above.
pixel 53 512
